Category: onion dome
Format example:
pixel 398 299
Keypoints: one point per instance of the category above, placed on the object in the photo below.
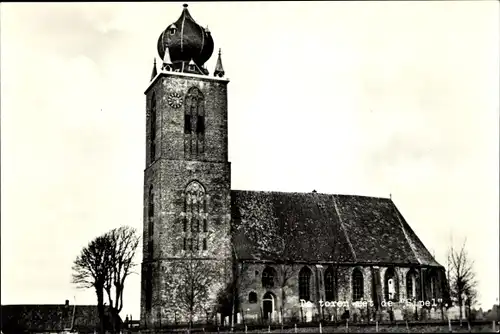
pixel 186 40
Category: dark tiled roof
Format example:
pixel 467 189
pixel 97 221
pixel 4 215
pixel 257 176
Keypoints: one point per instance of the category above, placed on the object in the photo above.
pixel 316 227
pixel 17 318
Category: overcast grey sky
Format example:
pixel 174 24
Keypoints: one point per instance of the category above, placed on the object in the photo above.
pixel 367 98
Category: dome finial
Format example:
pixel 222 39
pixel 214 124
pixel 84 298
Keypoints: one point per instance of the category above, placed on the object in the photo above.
pixel 185 5
pixel 154 73
pixel 219 70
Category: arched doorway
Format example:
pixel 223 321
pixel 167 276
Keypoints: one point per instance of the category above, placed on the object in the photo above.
pixel 268 301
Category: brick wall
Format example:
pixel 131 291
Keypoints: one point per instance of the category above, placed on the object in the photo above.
pixel 169 174
pixel 251 281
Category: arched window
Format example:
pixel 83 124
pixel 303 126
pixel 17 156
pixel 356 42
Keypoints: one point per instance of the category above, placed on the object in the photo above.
pixel 152 134
pixel 268 275
pixel 150 220
pixel 329 284
pixel 194 124
pixel 305 283
pixel 411 284
pixel 252 297
pixel 151 205
pixel 432 282
pixel 357 284
pixel 194 204
pixel 391 291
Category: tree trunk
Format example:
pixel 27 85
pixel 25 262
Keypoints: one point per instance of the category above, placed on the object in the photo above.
pixel 460 305
pixel 100 308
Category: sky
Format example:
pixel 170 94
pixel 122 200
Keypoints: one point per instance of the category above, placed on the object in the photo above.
pixel 366 98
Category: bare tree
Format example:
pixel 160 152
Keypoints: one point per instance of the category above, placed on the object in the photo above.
pixel 123 241
pixel 462 277
pixel 91 269
pixel 195 279
pixel 104 265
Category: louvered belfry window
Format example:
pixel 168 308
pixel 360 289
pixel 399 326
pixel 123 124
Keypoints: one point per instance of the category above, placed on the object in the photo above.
pixel 194 124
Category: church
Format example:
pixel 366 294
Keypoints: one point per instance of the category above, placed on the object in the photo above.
pixel 272 256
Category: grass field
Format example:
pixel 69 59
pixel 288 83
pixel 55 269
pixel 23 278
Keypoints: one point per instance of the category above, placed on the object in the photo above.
pixel 476 327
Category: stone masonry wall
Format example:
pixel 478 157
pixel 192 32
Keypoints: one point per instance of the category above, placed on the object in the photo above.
pixel 169 175
pixel 251 281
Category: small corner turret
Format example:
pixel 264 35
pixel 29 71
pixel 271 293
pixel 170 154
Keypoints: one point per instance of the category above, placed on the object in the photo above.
pixel 219 70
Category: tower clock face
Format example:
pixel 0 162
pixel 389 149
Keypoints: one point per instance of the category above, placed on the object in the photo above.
pixel 174 100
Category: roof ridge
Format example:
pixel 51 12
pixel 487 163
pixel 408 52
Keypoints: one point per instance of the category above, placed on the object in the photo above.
pixel 343 228
pixel 307 193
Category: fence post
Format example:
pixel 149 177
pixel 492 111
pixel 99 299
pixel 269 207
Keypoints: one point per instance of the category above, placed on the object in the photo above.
pixel 493 324
pixel 295 327
pixel 449 325
pixel 320 329
pixel 347 325
pixel 376 326
pixel 269 329
pixel 407 328
pixel 245 328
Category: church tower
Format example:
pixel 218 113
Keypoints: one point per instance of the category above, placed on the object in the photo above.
pixel 187 180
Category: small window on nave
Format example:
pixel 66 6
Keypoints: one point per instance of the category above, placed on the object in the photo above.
pixel 268 275
pixel 252 297
pixel 391 285
pixel 432 281
pixel 357 284
pixel 305 283
pixel 329 284
pixel 411 284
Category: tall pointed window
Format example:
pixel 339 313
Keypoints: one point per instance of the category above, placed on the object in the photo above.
pixel 357 285
pixel 194 124
pixel 305 283
pixel 150 220
pixel 391 291
pixel 152 130
pixel 329 284
pixel 194 204
pixel 411 284
pixel 432 282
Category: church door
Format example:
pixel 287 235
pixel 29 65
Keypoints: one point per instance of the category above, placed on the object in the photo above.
pixel 268 305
